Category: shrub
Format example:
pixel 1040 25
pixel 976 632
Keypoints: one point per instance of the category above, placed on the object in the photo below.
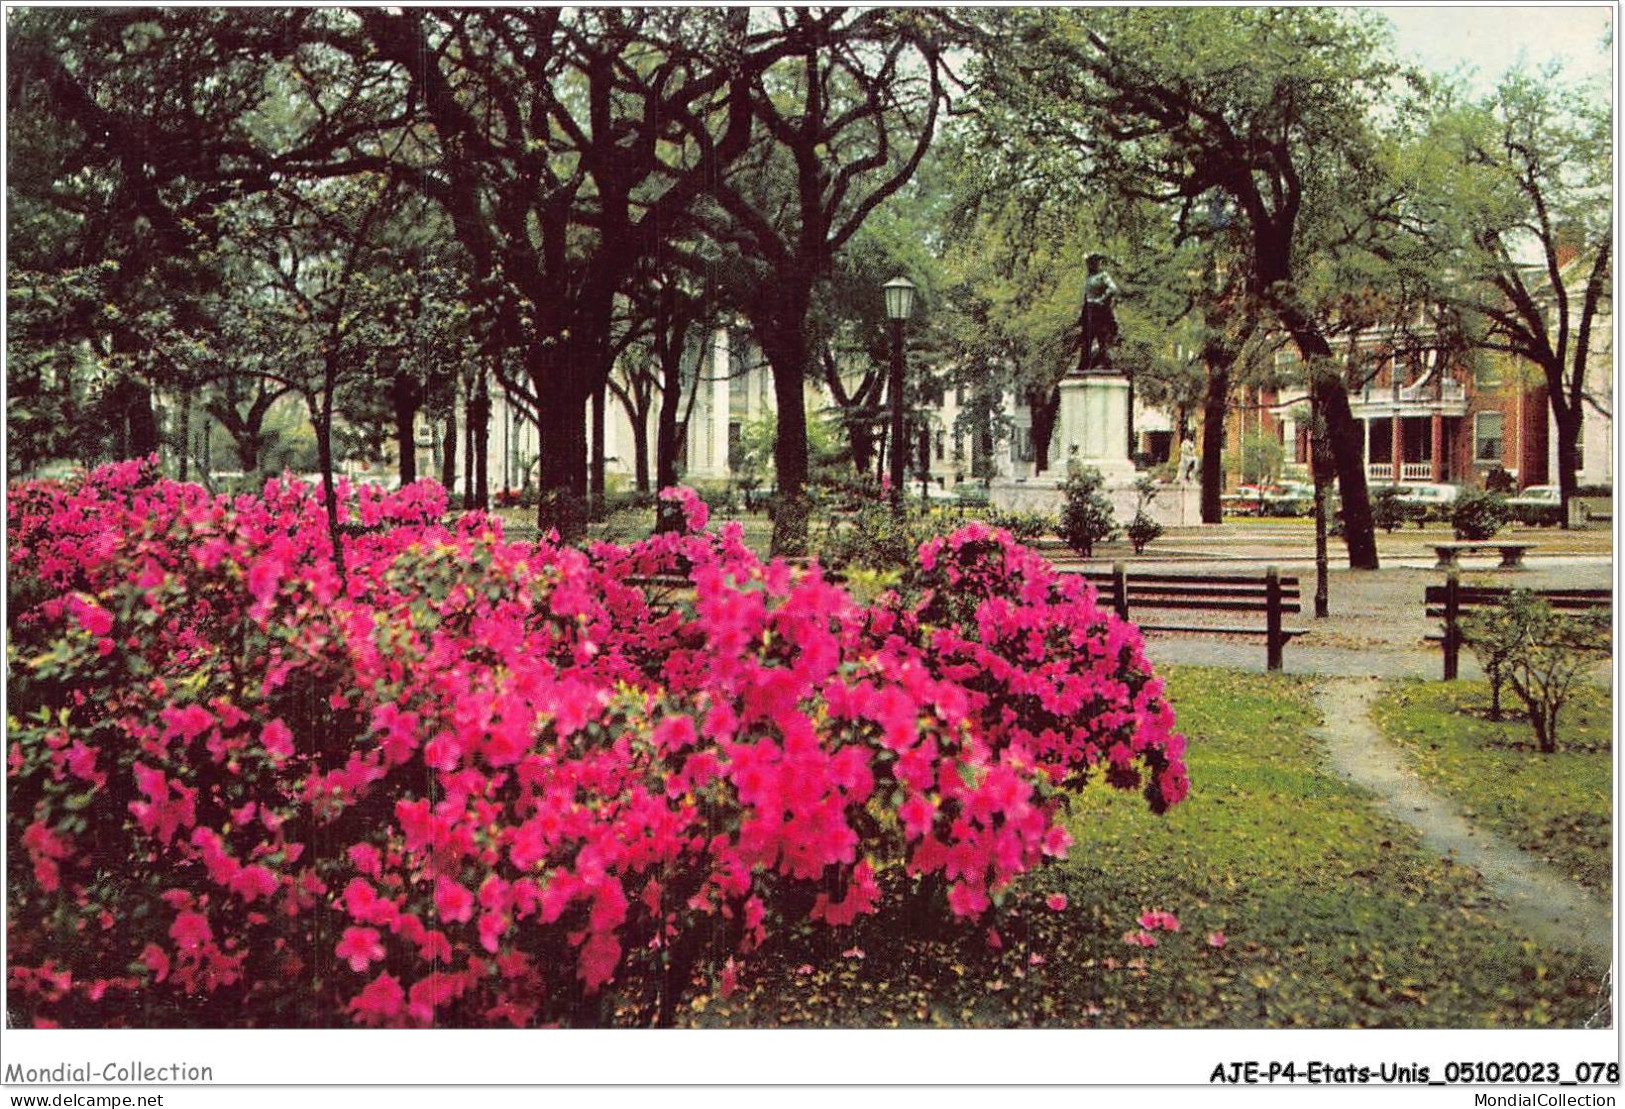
pixel 477 782
pixel 1478 515
pixel 1023 526
pixel 1086 512
pixel 876 537
pixel 1143 529
pixel 1388 512
pixel 1499 480
pixel 1541 653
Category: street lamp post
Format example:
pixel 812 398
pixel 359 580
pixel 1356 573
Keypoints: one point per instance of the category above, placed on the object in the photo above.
pixel 899 303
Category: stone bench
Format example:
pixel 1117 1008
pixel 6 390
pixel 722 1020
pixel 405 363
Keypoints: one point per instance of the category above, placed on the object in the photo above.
pixel 1512 552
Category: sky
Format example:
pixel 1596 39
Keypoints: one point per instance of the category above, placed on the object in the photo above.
pixel 1492 38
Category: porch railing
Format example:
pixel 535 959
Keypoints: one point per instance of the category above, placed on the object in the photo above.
pixel 1408 471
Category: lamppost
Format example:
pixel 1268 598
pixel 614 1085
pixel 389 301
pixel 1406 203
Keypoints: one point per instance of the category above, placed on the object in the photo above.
pixel 899 303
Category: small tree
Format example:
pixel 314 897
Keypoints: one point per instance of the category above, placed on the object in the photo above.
pixel 1086 515
pixel 1143 529
pixel 1478 515
pixel 1493 635
pixel 1541 653
pixel 1386 510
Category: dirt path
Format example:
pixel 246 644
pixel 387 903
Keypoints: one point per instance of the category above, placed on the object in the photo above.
pixel 1552 909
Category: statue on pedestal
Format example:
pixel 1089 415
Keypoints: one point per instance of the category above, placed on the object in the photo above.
pixel 1098 320
pixel 1187 462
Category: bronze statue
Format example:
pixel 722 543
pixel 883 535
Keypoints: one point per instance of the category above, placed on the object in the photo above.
pixel 1098 320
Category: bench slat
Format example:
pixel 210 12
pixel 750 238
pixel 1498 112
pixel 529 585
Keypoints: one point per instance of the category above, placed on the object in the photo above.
pixel 1193 604
pixel 1213 629
pixel 1177 579
pixel 1497 592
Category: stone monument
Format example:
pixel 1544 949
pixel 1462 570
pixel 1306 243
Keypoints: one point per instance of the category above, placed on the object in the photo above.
pixel 1092 428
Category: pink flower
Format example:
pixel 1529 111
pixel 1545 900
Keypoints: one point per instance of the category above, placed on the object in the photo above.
pixel 453 902
pixel 916 814
pixel 277 739
pixel 1139 939
pixel 94 619
pixel 728 981
pixel 360 947
pixel 190 931
pixel 1056 901
pixel 1216 939
pixel 253 882
pixel 157 961
pixel 1158 919
pixel 380 1001
pixel 263 577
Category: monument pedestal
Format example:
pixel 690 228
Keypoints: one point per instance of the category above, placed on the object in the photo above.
pixel 1092 428
pixel 1091 432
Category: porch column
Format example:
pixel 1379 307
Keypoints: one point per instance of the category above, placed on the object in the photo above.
pixel 1396 444
pixel 1366 422
pixel 1438 447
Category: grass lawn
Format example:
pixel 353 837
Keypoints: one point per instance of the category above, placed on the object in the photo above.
pixel 1558 806
pixel 1332 916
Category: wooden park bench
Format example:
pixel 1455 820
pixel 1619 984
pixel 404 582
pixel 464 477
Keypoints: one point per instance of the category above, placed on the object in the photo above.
pixel 1269 593
pixel 1512 551
pixel 1452 600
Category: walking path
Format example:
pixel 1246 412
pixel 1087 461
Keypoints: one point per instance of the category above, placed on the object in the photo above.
pixel 1553 909
pixel 1377 630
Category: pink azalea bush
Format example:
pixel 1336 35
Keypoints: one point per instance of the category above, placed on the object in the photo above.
pixel 473 781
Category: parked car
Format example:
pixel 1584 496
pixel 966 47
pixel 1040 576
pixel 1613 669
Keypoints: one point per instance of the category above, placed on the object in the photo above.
pixel 1288 498
pixel 1435 498
pixel 1247 500
pixel 1540 505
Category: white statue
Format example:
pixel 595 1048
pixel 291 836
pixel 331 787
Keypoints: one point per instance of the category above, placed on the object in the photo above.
pixel 1187 462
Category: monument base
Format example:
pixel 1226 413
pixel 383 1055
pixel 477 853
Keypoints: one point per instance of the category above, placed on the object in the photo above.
pixel 1091 432
pixel 1175 506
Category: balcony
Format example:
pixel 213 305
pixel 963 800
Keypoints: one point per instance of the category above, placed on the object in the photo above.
pixel 1444 398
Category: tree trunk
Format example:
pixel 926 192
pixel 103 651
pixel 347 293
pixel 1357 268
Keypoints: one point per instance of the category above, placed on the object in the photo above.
pixel 1345 434
pixel 1215 405
pixel 448 451
pixel 1348 452
pixel 468 454
pixel 479 426
pixel 562 503
pixel 595 477
pixel 1321 466
pixel 786 351
pixel 636 404
pixel 668 437
pixel 863 446
pixel 404 393
pixel 1045 408
pixel 183 437
pixel 640 452
pixel 321 410
pixel 1568 422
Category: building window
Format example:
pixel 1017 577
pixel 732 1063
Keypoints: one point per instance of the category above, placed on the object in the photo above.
pixel 942 445
pixel 1487 436
pixel 1487 371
